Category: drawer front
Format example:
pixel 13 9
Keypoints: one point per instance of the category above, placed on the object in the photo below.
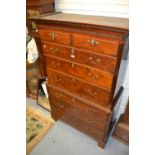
pixel 54 36
pixel 101 79
pixel 79 88
pixel 96 44
pixel 78 124
pixel 105 63
pixel 70 110
pixel 78 108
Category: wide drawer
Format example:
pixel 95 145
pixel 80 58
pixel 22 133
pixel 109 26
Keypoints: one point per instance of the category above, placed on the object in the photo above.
pixel 101 79
pixel 100 45
pixel 78 124
pixel 87 113
pixel 70 110
pixel 103 62
pixel 54 36
pixel 79 88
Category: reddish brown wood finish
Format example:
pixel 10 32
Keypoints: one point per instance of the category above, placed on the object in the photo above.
pixel 54 36
pixel 78 87
pixel 90 58
pixel 82 63
pixel 101 79
pixel 77 107
pixel 96 44
pixel 79 124
pixel 76 112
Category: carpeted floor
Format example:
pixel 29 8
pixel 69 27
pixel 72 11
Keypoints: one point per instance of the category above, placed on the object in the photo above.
pixel 37 125
pixel 65 140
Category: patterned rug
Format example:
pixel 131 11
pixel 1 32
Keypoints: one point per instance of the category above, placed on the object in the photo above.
pixel 37 125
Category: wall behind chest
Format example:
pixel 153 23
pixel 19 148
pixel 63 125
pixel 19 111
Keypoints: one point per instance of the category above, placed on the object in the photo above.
pixel 115 8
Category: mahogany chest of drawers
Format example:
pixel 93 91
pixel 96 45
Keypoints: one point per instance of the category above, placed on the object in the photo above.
pixel 82 55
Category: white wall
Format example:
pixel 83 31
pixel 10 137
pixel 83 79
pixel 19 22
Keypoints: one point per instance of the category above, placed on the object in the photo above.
pixel 115 8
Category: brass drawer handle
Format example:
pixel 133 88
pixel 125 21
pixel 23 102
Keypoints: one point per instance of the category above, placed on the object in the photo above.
pixel 93 42
pixel 90 74
pixel 93 61
pixel 44 45
pixel 53 35
pixel 90 58
pixel 56 64
pixel 53 50
pixel 93 77
pixel 72 53
pixel 98 60
pixel 57 79
pixel 95 93
pixel 92 93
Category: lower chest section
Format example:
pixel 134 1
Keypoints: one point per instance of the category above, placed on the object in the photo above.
pixel 91 120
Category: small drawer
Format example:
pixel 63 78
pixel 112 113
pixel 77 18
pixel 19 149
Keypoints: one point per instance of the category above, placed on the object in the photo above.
pixel 99 45
pixel 103 62
pixel 101 79
pixel 79 88
pixel 54 36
